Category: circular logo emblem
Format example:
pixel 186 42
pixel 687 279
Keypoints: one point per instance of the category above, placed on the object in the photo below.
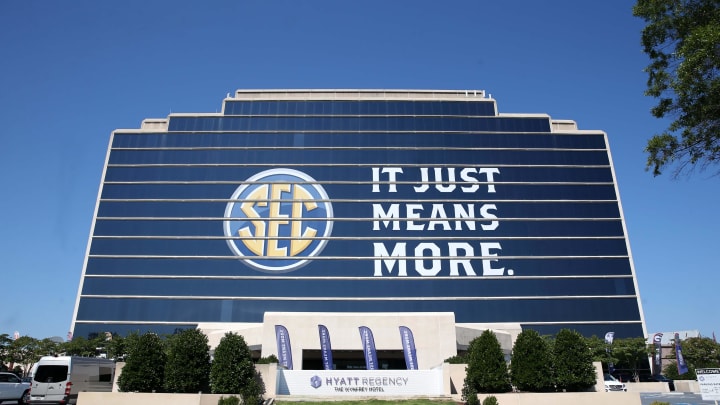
pixel 278 219
pixel 315 382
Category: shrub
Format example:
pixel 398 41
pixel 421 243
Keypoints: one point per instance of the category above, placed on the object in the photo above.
pixel 268 360
pixel 187 369
pixel 491 400
pixel 487 371
pixel 233 371
pixel 469 395
pixel 573 366
pixel 144 369
pixel 233 400
pixel 459 359
pixel 531 367
pixel 660 403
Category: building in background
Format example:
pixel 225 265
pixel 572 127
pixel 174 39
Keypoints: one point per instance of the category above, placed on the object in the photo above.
pixel 665 346
pixel 347 208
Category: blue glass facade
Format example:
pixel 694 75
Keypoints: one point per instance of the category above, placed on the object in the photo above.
pixel 358 205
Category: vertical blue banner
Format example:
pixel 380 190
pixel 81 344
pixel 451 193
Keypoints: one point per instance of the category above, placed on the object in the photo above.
pixel 325 348
pixel 608 341
pixel 681 364
pixel 408 345
pixel 657 358
pixel 283 347
pixel 368 343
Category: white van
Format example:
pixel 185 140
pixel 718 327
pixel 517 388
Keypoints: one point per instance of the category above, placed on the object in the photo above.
pixel 57 380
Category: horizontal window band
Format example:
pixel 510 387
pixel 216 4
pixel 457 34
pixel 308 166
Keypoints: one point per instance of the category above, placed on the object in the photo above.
pixel 617 308
pixel 373 183
pixel 333 148
pixel 480 220
pixel 331 278
pixel 236 266
pixel 367 165
pixel 339 200
pixel 92 328
pixel 101 322
pixel 320 258
pixel 266 298
pixel 355 132
pixel 377 131
pixel 460 286
pixel 358 238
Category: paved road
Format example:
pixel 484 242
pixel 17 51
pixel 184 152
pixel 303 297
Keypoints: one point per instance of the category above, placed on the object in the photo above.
pixel 675 398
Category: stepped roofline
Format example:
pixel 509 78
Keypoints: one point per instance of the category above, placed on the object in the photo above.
pixel 357 94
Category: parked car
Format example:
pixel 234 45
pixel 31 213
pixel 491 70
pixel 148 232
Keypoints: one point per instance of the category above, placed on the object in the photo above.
pixel 624 376
pixel 57 380
pixel 12 388
pixel 612 384
pixel 659 378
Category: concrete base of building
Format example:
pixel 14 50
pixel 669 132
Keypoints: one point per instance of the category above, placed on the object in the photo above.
pixel 686 386
pixel 436 335
pixel 559 398
pixel 566 398
pixel 647 387
pixel 142 398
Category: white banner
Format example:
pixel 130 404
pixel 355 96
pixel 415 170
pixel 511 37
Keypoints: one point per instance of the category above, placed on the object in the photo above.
pixel 351 383
pixel 709 382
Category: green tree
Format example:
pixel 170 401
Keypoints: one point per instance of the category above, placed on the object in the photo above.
pixel 233 372
pixel 79 346
pixel 600 350
pixel 572 362
pixel 187 368
pixel 49 347
pixel 531 365
pixel 486 371
pixel 631 353
pixel 5 342
pixel 129 341
pixel 681 38
pixel 24 351
pixel 603 352
pixel 699 352
pixel 115 347
pixel 145 365
pixel 670 371
pixel 457 359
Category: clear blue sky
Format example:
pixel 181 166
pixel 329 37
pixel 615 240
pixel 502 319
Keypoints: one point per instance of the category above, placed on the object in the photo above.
pixel 72 72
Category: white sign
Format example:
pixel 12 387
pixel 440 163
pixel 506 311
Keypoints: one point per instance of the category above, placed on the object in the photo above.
pixel 360 383
pixel 709 382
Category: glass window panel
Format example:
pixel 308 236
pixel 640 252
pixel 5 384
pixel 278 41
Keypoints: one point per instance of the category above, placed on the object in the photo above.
pixel 92 330
pixel 240 155
pixel 351 227
pixel 337 107
pixel 178 310
pixel 350 268
pixel 268 287
pixel 219 247
pixel 501 124
pixel 404 191
pixel 506 211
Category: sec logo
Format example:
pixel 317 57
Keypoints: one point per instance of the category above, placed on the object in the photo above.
pixel 278 219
